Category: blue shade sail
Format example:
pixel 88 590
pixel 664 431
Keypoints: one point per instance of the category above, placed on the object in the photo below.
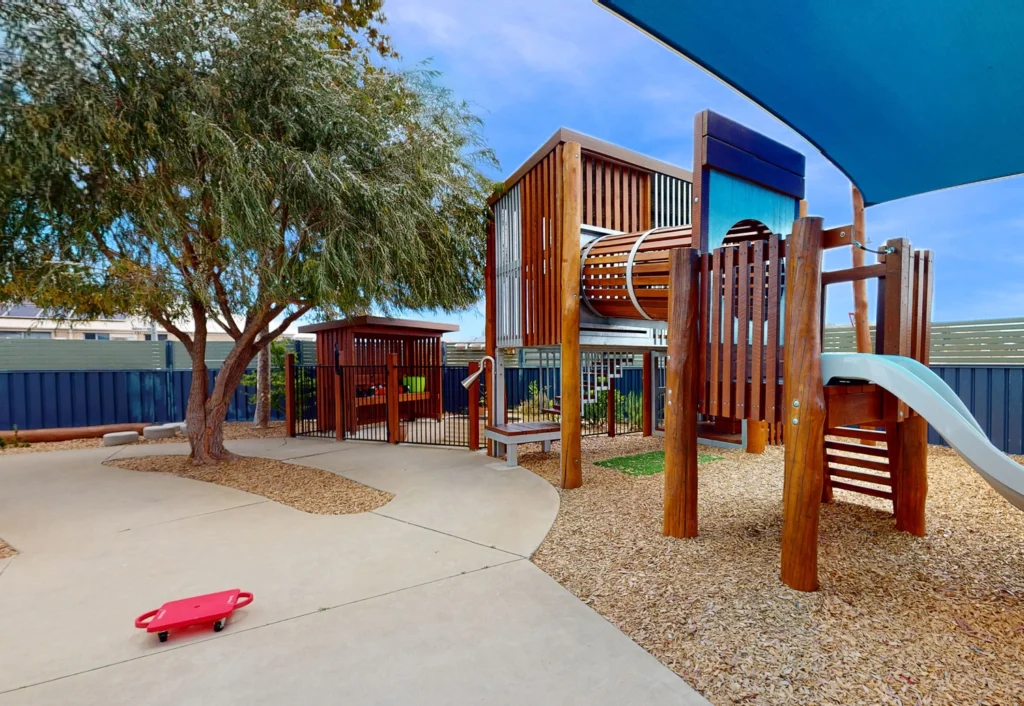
pixel 904 97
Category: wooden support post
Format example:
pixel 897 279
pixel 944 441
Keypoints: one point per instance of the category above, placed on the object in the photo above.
pixel 861 326
pixel 394 425
pixel 757 436
pixel 681 381
pixel 611 405
pixel 648 393
pixel 910 479
pixel 860 287
pixel 339 408
pixel 474 409
pixel 572 192
pixel 803 407
pixel 289 393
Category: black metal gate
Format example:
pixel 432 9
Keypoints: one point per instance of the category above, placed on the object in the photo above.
pixel 427 405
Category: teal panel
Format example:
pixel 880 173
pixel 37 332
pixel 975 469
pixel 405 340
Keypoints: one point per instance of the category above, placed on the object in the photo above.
pixel 732 200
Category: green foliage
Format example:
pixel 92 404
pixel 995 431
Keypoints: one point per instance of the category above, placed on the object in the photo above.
pixel 646 464
pixel 213 152
pixel 183 160
pixel 537 400
pixel 628 408
pixel 14 442
pixel 278 353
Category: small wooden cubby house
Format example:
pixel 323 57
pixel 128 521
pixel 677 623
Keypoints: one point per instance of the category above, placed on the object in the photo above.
pixel 363 349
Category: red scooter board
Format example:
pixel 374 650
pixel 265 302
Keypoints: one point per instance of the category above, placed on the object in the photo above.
pixel 211 608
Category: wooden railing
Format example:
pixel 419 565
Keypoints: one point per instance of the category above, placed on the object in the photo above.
pixel 741 314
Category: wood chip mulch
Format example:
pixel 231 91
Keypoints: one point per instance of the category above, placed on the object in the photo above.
pixel 6 550
pixel 232 431
pixel 304 488
pixel 898 619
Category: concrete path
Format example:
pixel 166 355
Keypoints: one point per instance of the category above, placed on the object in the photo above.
pixel 429 599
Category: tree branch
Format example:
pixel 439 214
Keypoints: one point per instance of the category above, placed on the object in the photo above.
pixel 222 302
pixel 288 321
pixel 159 317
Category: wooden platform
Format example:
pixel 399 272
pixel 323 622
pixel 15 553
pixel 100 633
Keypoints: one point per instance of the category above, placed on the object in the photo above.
pixel 523 428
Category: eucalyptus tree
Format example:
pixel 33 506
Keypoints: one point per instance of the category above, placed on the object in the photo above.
pixel 227 161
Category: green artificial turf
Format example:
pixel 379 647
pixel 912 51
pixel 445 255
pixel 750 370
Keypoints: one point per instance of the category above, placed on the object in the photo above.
pixel 646 464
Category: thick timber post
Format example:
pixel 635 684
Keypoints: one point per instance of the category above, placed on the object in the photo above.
pixel 572 191
pixel 803 407
pixel 757 436
pixel 911 478
pixel 681 378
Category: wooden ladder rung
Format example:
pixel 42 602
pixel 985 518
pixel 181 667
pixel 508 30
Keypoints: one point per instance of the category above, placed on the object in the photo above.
pixel 857 475
pixel 851 433
pixel 881 452
pixel 837 484
pixel 858 462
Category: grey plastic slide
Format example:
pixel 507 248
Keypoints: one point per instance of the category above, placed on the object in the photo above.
pixel 931 397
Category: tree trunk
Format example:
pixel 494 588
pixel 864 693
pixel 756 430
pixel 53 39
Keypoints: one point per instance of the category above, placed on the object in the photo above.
pixel 262 418
pixel 207 411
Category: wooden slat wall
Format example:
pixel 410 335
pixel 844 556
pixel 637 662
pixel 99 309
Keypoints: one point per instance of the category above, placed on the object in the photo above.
pixel 742 290
pixel 615 196
pixel 604 273
pixel 541 195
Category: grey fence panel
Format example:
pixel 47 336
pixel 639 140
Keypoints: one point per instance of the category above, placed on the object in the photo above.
pixel 992 342
pixel 55 354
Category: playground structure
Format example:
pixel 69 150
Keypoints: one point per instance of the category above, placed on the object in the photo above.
pixel 632 210
pixel 728 281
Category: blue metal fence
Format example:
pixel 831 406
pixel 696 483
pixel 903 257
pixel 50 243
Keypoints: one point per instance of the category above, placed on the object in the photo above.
pixel 48 399
pixel 995 396
pixel 54 398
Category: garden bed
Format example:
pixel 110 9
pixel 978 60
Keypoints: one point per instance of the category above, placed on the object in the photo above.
pixel 308 489
pixel 898 619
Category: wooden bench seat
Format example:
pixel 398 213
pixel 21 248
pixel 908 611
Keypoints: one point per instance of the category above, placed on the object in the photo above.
pixel 523 433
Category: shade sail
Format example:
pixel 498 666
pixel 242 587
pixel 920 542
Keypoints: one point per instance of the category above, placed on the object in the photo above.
pixel 904 97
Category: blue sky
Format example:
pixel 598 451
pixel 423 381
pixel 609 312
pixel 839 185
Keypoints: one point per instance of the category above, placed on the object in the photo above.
pixel 530 66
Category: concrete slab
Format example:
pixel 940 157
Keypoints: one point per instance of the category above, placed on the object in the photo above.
pixel 408 604
pixel 295 563
pixel 506 635
pixel 53 499
pixel 452 491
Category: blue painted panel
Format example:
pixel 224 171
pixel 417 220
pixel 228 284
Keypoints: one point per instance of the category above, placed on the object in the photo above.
pixel 732 200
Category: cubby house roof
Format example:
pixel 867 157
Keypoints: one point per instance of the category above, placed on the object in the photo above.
pixel 603 148
pixel 381 324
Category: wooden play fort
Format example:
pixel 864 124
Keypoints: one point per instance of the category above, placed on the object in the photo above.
pixel 717 277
